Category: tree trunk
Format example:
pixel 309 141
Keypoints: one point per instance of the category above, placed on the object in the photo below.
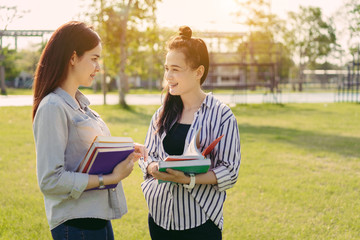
pixel 252 67
pixel 122 75
pixel 301 77
pixel 301 70
pixel 122 89
pixel 103 84
pixel 150 71
pixel 123 56
pixel 2 80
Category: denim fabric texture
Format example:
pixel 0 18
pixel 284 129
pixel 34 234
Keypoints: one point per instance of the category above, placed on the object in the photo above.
pixel 65 232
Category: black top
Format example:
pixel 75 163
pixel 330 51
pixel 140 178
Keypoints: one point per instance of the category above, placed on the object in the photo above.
pixel 174 141
pixel 87 223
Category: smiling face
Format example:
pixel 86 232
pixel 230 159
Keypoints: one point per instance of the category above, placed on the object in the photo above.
pixel 180 77
pixel 86 66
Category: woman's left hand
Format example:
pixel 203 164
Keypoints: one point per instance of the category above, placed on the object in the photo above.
pixel 172 175
pixel 139 148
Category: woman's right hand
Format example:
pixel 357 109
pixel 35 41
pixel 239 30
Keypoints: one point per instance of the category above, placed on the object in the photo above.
pixel 121 171
pixel 124 168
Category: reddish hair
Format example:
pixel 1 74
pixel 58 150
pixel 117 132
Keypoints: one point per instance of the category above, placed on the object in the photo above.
pixel 52 68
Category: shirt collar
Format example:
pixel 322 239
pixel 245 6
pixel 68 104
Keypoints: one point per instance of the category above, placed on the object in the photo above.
pixel 208 99
pixel 83 101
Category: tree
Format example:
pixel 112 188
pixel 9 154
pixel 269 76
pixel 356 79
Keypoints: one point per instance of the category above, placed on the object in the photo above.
pixel 310 37
pixel 12 69
pixel 261 46
pixel 27 59
pixel 7 15
pixel 123 26
pixel 349 16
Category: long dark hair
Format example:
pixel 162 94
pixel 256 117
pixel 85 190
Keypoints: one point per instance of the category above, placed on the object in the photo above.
pixel 196 54
pixel 52 68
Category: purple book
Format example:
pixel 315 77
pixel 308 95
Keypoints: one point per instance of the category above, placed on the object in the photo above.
pixel 106 159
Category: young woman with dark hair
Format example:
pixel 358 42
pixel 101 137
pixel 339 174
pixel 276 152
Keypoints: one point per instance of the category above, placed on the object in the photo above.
pixel 189 207
pixel 64 127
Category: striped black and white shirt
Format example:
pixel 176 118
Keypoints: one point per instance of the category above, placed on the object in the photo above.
pixel 170 204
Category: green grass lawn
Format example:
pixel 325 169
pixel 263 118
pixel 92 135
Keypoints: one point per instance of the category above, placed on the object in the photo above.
pixel 299 177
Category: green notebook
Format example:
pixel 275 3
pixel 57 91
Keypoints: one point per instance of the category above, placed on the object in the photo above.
pixel 192 161
pixel 186 166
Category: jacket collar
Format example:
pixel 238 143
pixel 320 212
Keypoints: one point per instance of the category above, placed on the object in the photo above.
pixel 83 101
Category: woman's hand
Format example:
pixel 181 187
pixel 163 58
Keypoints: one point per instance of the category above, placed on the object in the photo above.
pixel 124 168
pixel 153 167
pixel 169 175
pixel 139 148
pixel 121 171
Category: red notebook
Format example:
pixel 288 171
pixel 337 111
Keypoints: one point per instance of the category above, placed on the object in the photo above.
pixel 211 146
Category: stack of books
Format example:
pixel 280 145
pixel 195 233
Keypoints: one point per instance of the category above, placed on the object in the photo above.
pixel 192 161
pixel 105 153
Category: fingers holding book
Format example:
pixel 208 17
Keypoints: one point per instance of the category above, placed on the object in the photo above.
pixel 135 156
pixel 169 176
pixel 124 168
pixel 176 176
pixel 139 148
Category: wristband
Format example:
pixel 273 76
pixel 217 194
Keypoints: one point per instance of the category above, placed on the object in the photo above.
pixel 101 181
pixel 191 185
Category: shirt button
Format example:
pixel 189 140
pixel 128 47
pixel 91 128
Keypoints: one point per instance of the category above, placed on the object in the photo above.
pixel 113 189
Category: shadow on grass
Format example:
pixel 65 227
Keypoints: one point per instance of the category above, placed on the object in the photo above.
pixel 342 145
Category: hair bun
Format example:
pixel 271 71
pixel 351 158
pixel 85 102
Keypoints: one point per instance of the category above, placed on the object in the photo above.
pixel 185 32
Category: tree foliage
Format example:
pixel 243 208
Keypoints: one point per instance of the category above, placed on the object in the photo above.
pixel 259 17
pixel 262 48
pixel 27 59
pixel 129 33
pixel 349 16
pixel 310 37
pixel 353 11
pixel 7 15
pixel 9 63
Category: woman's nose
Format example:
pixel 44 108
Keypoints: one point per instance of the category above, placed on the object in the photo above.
pixel 97 68
pixel 168 75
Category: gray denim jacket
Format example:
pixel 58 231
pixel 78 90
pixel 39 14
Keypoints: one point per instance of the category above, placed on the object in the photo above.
pixel 63 132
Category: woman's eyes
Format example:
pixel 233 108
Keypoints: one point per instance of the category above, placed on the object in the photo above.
pixel 173 69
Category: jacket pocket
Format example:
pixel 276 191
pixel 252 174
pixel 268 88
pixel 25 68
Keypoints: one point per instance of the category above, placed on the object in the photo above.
pixel 87 129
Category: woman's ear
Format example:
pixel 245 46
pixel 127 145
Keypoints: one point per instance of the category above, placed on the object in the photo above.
pixel 200 71
pixel 73 58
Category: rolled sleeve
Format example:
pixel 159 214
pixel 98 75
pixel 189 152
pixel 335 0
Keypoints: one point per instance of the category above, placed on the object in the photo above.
pixel 228 155
pixel 80 183
pixel 144 165
pixel 223 178
pixel 151 143
pixel 51 134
